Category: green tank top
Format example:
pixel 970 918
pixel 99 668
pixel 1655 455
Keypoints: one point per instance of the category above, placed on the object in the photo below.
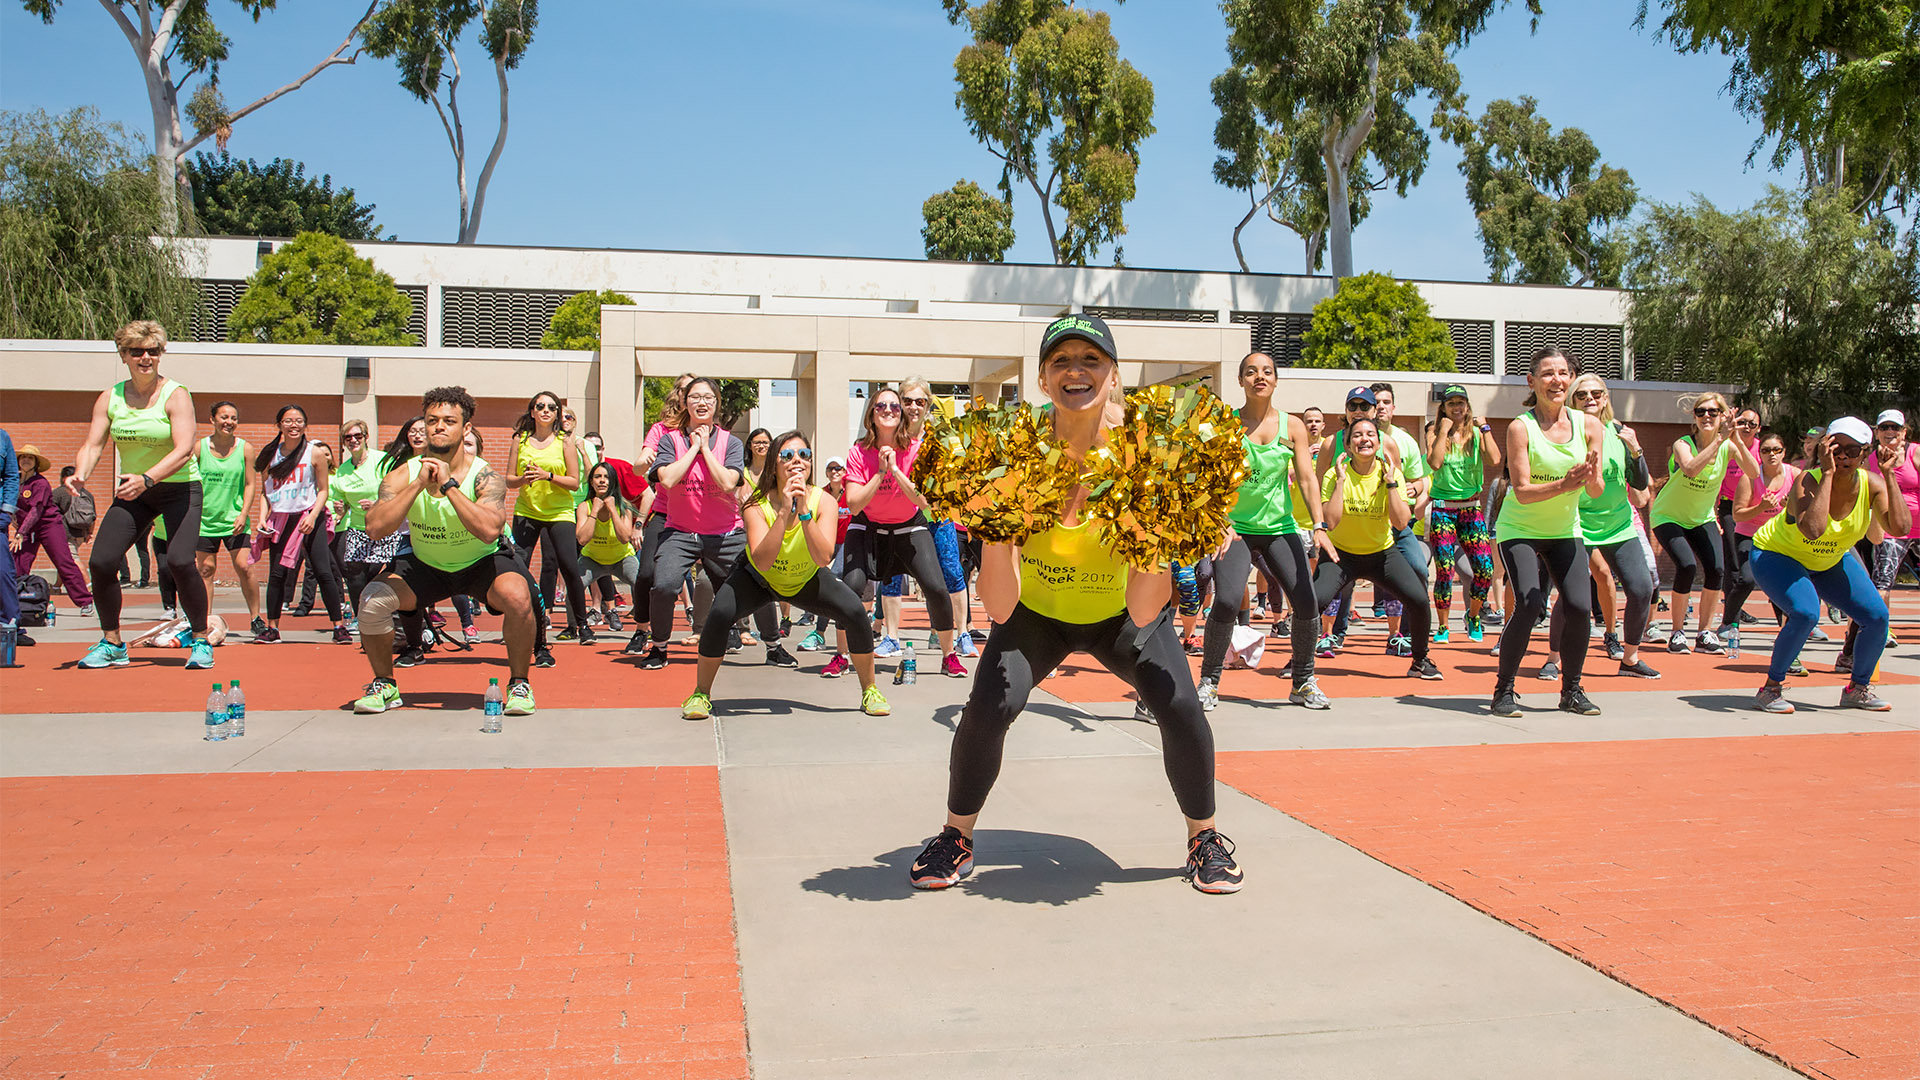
pixel 1609 518
pixel 589 457
pixel 1782 537
pixel 223 481
pixel 1688 501
pixel 793 566
pixel 1461 474
pixel 1266 495
pixel 606 548
pixel 439 537
pixel 1067 576
pixel 1556 518
pixel 144 436
pixel 350 483
pixel 544 500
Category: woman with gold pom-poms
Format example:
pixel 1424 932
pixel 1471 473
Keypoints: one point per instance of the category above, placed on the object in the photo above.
pixel 1085 577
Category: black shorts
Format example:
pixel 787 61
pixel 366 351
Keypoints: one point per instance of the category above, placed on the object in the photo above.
pixel 233 542
pixel 430 584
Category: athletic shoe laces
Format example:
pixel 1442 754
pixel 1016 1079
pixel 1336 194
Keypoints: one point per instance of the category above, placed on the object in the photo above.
pixel 1211 851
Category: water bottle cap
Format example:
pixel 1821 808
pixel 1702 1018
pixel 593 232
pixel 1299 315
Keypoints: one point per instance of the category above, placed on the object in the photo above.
pixel 493 682
pixel 216 686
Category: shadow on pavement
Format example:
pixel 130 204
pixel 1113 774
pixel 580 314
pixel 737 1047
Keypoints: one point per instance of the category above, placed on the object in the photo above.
pixel 948 716
pixel 1010 864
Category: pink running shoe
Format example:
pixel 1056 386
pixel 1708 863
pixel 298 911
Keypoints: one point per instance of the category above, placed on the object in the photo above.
pixel 836 667
pixel 952 667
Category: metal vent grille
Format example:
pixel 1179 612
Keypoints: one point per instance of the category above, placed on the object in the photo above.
pixel 1473 341
pixel 417 322
pixel 210 315
pixel 497 318
pixel 1153 314
pixel 1276 335
pixel 1597 349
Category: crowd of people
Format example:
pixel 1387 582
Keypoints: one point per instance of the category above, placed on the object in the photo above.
pixel 746 542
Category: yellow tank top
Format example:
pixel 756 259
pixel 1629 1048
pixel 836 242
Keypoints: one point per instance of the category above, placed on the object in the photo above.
pixel 1783 537
pixel 793 567
pixel 544 500
pixel 1365 527
pixel 605 548
pixel 1066 575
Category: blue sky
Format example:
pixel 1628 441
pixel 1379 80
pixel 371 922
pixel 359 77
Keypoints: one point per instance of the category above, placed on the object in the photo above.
pixel 819 127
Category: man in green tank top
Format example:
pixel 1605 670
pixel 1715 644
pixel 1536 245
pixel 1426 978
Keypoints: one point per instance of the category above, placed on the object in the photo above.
pixel 455 508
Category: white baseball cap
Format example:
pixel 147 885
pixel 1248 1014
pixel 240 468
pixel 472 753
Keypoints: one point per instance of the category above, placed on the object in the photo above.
pixel 1853 428
pixel 1892 416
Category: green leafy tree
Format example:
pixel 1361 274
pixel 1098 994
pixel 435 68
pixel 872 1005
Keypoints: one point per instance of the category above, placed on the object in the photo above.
pixel 78 213
pixel 1797 298
pixel 1043 87
pixel 316 291
pixel 175 41
pixel 422 38
pixel 1377 323
pixel 967 224
pixel 1832 85
pixel 1340 76
pixel 1544 201
pixel 233 197
pixel 576 322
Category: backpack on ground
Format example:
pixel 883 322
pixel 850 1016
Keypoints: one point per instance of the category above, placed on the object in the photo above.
pixel 35 598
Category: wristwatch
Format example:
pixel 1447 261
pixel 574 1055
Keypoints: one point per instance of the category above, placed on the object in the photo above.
pixel 1486 429
pixel 1321 526
pixel 448 486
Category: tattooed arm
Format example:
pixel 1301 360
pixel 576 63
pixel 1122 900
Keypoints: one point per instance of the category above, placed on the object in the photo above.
pixel 484 515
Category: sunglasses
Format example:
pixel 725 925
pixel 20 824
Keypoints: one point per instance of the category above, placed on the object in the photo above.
pixel 144 350
pixel 1773 449
pixel 1707 411
pixel 545 406
pixel 354 436
pixel 919 402
pixel 1889 426
pixel 886 407
pixel 1849 450
pixel 1746 423
pixel 791 452
pixel 1352 405
pixel 1589 395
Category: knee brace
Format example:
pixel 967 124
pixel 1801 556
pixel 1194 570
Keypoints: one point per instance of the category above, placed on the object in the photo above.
pixel 378 605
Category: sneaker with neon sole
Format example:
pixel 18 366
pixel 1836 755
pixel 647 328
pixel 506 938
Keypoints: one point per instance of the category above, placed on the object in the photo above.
pixel 381 695
pixel 943 862
pixel 1210 864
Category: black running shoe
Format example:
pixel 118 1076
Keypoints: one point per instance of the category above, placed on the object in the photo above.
pixel 565 635
pixel 655 659
pixel 410 658
pixel 637 644
pixel 1638 670
pixel 1424 668
pixel 587 636
pixel 779 657
pixel 1573 700
pixel 1210 865
pixel 542 656
pixel 943 862
pixel 733 640
pixel 1505 701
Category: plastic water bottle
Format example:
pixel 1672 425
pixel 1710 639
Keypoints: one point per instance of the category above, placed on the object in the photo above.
pixel 216 715
pixel 9 644
pixel 496 707
pixel 1733 642
pixel 236 711
pixel 50 616
pixel 909 669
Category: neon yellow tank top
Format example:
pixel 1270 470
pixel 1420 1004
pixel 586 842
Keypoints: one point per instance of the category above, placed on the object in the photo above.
pixel 1557 518
pixel 605 548
pixel 1782 537
pixel 439 537
pixel 144 436
pixel 544 500
pixel 793 566
pixel 1066 575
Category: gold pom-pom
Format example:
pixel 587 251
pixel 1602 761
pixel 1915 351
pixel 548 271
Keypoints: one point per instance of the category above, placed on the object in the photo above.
pixel 1167 477
pixel 996 470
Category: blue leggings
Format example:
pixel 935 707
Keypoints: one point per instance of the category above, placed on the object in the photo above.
pixel 1798 591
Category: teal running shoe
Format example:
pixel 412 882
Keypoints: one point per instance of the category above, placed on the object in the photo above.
pixel 105 654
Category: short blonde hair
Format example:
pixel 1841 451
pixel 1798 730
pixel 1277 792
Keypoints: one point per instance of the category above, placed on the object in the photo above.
pixel 352 425
pixel 1590 381
pixel 1689 402
pixel 141 332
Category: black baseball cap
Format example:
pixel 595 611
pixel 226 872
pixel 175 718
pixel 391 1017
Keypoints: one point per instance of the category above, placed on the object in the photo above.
pixel 1452 390
pixel 1090 328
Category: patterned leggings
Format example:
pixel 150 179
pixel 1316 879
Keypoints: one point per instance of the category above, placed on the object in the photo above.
pixel 1451 530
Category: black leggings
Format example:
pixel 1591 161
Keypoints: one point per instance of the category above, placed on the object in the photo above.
pixel 1564 561
pixel 319 558
pixel 871 554
pixel 179 506
pixel 1740 579
pixel 649 552
pixel 1684 546
pixel 1388 570
pixel 1286 554
pixel 560 547
pixel 1029 645
pixel 169 592
pixel 824 595
pixel 1628 561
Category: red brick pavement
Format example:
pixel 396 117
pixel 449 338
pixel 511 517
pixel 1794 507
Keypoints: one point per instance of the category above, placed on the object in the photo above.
pixel 1769 886
pixel 510 923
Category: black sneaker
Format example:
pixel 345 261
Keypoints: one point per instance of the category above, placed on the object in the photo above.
pixel 1638 670
pixel 655 659
pixel 542 656
pixel 1210 865
pixel 565 635
pixel 301 611
pixel 1615 650
pixel 779 657
pixel 409 658
pixel 1573 700
pixel 733 640
pixel 637 644
pixel 943 862
pixel 1424 668
pixel 1505 702
pixel 259 624
pixel 587 636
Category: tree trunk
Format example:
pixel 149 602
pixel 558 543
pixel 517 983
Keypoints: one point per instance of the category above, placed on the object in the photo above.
pixel 470 233
pixel 1339 147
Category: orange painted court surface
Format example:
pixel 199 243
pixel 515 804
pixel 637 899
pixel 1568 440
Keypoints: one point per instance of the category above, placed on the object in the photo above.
pixel 1768 886
pixel 508 923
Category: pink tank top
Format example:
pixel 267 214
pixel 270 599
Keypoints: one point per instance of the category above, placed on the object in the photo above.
pixel 1788 474
pixel 1906 476
pixel 696 504
pixel 889 505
